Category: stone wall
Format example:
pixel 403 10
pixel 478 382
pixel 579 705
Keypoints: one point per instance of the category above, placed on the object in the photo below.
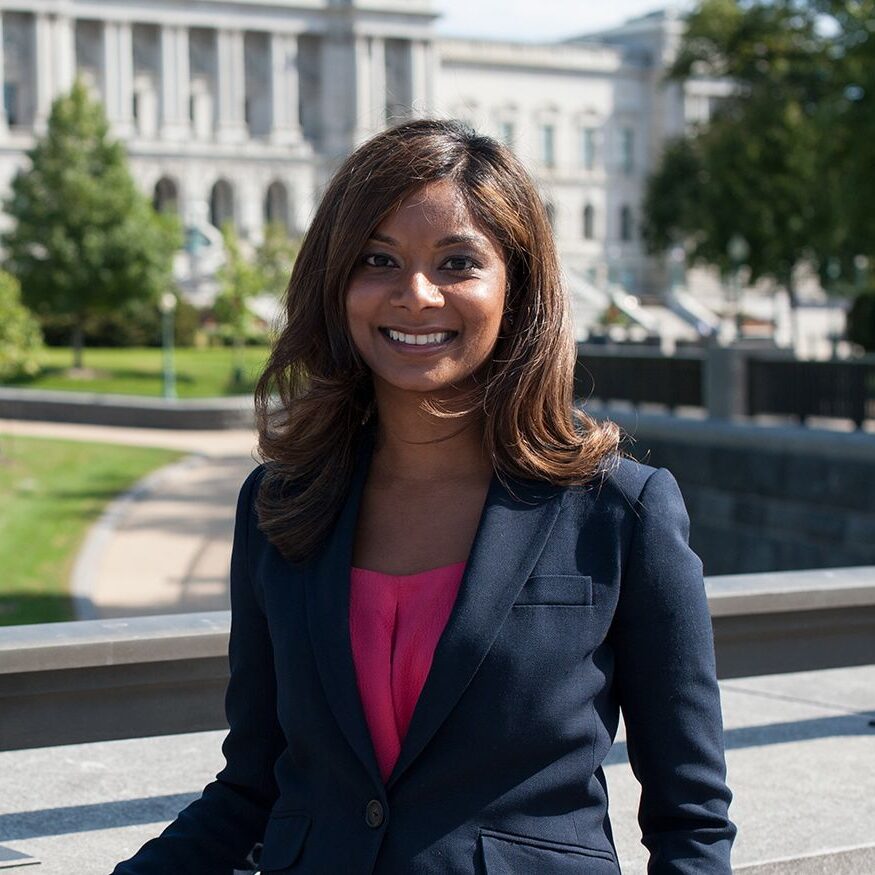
pixel 765 498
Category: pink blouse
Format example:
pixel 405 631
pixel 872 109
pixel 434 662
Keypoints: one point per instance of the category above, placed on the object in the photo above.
pixel 395 621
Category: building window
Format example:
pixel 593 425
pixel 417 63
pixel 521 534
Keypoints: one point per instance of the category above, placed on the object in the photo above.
pixel 625 223
pixel 166 196
pixel 221 203
pixel 10 101
pixel 627 150
pixel 548 145
pixel 506 133
pixel 588 222
pixel 587 148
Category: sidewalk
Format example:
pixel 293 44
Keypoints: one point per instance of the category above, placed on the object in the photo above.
pixel 166 546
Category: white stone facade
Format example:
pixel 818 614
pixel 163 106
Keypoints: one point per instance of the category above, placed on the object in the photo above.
pixel 239 109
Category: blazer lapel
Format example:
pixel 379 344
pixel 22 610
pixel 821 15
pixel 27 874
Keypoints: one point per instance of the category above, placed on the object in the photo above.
pixel 327 587
pixel 513 530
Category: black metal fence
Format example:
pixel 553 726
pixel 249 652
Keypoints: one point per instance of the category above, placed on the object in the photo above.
pixel 640 376
pixel 675 381
pixel 773 385
pixel 842 389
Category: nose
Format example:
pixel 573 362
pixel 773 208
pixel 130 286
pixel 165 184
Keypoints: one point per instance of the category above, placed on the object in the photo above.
pixel 416 291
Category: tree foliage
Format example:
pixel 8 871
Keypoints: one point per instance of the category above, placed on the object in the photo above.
pixel 786 160
pixel 20 338
pixel 246 275
pixel 85 240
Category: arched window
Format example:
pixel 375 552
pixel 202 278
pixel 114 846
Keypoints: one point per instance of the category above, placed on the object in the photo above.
pixel 276 205
pixel 588 222
pixel 221 203
pixel 165 198
pixel 625 223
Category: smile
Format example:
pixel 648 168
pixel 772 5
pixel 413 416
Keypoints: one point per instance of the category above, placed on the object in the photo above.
pixel 432 339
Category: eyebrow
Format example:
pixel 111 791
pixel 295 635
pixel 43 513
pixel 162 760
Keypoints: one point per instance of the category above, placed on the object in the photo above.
pixel 449 240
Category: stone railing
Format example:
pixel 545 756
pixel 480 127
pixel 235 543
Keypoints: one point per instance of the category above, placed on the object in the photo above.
pixel 65 683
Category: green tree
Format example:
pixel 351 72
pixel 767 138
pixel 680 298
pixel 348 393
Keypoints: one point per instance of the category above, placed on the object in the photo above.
pixel 85 240
pixel 861 320
pixel 849 131
pixel 20 338
pixel 756 168
pixel 275 256
pixel 240 280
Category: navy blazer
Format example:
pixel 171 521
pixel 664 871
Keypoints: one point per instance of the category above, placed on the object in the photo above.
pixel 575 603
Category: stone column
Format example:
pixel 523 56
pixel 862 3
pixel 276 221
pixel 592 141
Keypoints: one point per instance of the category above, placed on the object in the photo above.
pixel 118 76
pixel 285 115
pixel 419 74
pixel 64 54
pixel 54 64
pixel 4 124
pixel 43 68
pixel 378 83
pixel 231 87
pixel 364 110
pixel 175 83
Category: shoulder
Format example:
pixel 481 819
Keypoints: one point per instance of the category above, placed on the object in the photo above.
pixel 249 488
pixel 621 483
pixel 628 496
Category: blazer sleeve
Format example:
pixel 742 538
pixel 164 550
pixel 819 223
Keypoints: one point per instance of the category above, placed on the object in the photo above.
pixel 217 832
pixel 666 681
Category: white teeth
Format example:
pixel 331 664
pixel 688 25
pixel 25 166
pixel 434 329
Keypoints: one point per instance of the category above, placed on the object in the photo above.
pixel 418 339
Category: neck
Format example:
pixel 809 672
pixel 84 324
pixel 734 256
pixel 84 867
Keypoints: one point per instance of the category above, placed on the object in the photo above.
pixel 414 445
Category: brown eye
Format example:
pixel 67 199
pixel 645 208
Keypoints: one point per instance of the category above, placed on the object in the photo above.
pixel 459 262
pixel 377 259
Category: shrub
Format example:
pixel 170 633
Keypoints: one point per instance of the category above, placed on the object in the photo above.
pixel 20 337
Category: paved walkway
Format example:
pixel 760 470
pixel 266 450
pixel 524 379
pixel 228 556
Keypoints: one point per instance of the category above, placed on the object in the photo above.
pixel 165 547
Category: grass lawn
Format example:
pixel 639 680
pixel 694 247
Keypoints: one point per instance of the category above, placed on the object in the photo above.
pixel 51 491
pixel 200 373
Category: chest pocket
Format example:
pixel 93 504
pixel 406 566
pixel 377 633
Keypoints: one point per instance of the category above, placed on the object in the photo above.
pixel 555 590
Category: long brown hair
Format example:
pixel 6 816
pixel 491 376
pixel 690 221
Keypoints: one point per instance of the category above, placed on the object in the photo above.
pixel 531 429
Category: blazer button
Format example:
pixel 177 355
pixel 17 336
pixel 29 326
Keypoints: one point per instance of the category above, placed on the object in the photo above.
pixel 374 815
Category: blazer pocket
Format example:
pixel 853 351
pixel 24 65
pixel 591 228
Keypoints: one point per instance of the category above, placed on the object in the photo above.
pixel 508 854
pixel 283 840
pixel 556 590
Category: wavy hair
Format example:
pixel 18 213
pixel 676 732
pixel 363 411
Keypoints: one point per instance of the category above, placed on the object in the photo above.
pixel 315 394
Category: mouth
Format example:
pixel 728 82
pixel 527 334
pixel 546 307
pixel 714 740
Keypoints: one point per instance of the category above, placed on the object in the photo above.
pixel 425 339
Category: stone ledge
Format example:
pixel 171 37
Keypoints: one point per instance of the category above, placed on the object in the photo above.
pixel 95 680
pixel 132 411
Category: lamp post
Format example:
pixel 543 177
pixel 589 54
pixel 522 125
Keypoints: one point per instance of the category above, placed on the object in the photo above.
pixel 738 250
pixel 167 306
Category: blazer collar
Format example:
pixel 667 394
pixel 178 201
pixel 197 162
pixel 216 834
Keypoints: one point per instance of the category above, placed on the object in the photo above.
pixel 515 524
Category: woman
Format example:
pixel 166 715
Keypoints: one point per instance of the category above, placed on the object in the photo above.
pixel 445 581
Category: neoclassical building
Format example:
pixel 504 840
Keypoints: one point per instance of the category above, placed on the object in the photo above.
pixel 239 109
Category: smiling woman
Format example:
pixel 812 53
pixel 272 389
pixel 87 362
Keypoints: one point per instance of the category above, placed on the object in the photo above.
pixel 445 581
pixel 425 302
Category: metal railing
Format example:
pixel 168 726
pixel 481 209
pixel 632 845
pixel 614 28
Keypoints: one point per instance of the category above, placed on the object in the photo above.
pixel 640 376
pixel 841 389
pixel 66 683
pixel 757 382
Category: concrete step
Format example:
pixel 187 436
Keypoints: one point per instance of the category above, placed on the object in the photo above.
pixel 845 861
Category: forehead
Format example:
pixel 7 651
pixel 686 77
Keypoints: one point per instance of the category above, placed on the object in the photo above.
pixel 434 207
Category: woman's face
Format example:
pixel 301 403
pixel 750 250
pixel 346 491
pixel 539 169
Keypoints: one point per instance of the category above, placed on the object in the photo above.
pixel 425 300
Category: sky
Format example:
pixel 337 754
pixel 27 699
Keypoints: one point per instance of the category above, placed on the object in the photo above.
pixel 537 19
